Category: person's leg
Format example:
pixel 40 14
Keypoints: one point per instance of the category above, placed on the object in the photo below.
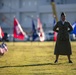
pixel 57 56
pixel 69 59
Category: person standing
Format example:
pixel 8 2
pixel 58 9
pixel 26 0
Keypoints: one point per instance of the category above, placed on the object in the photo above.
pixel 63 46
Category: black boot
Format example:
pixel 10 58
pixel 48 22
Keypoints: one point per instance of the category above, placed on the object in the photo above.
pixel 55 61
pixel 70 61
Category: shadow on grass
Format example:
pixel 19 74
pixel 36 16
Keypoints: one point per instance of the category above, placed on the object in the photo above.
pixel 42 64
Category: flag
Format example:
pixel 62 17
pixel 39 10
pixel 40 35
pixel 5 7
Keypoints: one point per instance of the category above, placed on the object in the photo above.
pixel 18 31
pixel 1 33
pixel 40 30
pixel 55 33
pixel 74 28
pixel 3 48
pixel 34 34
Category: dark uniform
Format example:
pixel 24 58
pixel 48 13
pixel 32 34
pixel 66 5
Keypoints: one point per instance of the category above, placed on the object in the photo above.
pixel 63 46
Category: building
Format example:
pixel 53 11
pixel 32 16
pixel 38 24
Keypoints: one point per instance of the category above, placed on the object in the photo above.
pixel 26 10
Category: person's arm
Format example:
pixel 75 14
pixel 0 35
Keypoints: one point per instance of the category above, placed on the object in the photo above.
pixel 70 28
pixel 56 28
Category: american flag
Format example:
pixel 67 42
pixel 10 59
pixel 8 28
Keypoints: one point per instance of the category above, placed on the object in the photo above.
pixel 1 33
pixel 55 33
pixel 18 31
pixel 40 30
pixel 3 48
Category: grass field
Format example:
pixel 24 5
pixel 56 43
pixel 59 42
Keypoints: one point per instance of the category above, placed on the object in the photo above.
pixel 35 58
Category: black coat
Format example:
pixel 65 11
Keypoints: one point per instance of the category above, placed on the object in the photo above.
pixel 63 46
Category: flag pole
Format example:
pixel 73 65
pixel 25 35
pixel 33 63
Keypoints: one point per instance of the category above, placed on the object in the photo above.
pixel 37 19
pixel 54 11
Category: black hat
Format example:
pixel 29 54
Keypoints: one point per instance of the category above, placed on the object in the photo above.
pixel 63 14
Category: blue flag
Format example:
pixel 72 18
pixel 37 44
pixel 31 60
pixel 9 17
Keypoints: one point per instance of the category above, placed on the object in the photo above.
pixel 34 35
pixel 74 28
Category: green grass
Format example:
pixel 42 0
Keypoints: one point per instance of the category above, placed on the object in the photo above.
pixel 35 58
